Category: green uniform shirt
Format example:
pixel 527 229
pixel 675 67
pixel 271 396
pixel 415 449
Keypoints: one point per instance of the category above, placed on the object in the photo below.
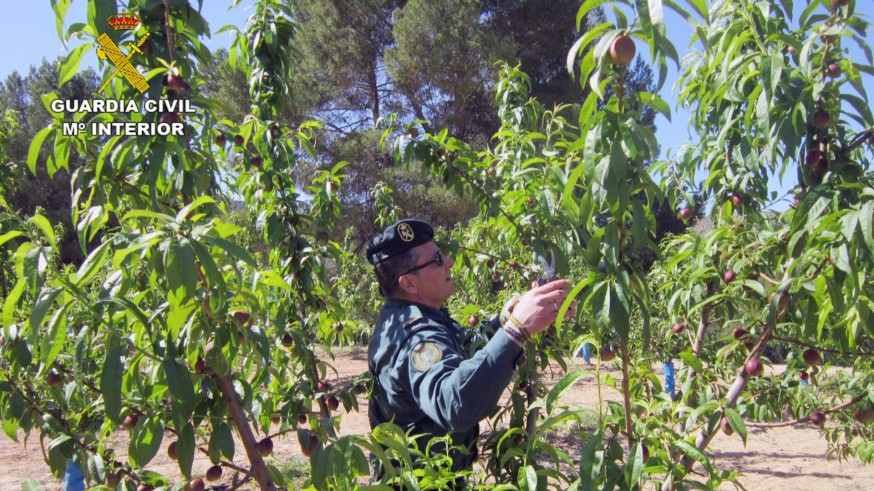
pixel 428 381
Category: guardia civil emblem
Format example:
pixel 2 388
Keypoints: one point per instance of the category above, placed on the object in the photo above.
pixel 424 355
pixel 406 232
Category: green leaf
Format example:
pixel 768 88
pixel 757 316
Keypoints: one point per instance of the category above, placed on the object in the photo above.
pixel 216 279
pixel 197 203
pixel 269 278
pixel 34 263
pixel 231 248
pixel 91 266
pixel 693 452
pixel 35 147
pixel 110 384
pixel 47 100
pixel 133 308
pixel 587 7
pixel 866 215
pixel 527 478
pixel 60 8
pixel 180 265
pixel 15 233
pixel 692 361
pixel 185 447
pixel 656 14
pixel 736 423
pixel 562 387
pixel 591 460
pixel 11 301
pixel 10 428
pixel 221 442
pixel 71 64
pixel 181 390
pixel 634 466
pixel 53 341
pixel 60 158
pixel 98 17
pixel 753 285
pixel 145 441
pixel 848 225
pixel 42 307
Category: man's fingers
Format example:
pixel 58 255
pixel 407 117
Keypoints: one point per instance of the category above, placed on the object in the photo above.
pixel 555 296
pixel 553 285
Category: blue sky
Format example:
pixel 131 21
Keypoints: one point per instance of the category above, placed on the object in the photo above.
pixel 28 34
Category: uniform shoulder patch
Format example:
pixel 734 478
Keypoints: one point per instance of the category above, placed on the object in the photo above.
pixel 424 355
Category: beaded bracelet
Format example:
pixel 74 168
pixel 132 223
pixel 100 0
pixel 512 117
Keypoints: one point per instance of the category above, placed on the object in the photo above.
pixel 515 335
pixel 521 328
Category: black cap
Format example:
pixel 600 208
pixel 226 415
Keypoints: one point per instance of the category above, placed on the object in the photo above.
pixel 399 238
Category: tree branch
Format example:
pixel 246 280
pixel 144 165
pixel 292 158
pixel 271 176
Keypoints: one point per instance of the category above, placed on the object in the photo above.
pixel 824 350
pixel 235 406
pixel 806 419
pixel 168 32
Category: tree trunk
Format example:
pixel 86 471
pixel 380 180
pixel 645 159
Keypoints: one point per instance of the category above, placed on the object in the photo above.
pixel 740 383
pixel 531 396
pixel 699 341
pixel 373 87
pixel 235 406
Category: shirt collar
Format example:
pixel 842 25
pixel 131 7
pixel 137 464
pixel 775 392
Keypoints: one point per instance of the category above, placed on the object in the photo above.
pixel 430 312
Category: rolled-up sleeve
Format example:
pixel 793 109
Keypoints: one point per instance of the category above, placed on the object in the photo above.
pixel 455 392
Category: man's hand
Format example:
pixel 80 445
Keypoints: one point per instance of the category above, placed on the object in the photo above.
pixel 538 307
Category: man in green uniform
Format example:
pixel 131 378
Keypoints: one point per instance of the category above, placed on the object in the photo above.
pixel 426 380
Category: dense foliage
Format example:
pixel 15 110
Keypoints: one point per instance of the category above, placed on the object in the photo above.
pixel 217 265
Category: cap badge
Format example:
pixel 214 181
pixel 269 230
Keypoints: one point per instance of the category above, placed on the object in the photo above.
pixel 406 232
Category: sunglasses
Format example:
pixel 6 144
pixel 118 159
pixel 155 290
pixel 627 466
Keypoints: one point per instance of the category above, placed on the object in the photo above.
pixel 437 260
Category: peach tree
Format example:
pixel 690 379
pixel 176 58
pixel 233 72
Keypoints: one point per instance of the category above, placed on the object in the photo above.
pixel 772 93
pixel 174 327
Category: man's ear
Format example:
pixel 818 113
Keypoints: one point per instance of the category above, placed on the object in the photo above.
pixel 407 284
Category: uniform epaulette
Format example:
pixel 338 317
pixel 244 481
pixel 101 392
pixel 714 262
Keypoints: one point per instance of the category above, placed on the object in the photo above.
pixel 412 321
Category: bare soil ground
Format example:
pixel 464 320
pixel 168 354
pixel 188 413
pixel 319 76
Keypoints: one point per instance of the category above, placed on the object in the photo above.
pixel 777 458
